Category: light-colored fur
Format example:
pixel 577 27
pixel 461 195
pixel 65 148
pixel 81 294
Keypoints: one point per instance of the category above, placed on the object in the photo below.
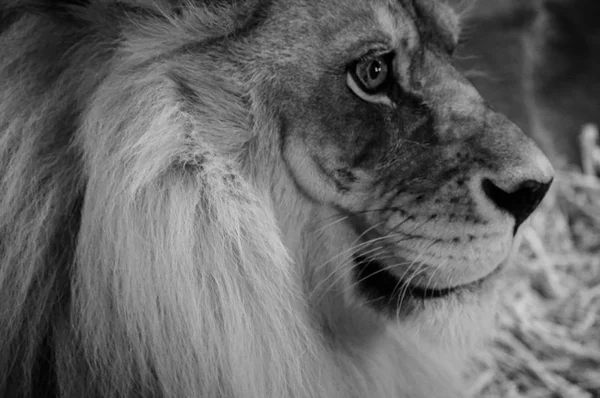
pixel 156 246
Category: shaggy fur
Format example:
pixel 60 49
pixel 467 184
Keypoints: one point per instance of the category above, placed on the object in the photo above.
pixel 154 241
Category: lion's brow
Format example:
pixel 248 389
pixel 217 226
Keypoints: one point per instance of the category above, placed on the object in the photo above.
pixel 409 6
pixel 436 26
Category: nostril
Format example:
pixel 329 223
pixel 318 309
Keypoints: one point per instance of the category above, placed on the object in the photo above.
pixel 521 202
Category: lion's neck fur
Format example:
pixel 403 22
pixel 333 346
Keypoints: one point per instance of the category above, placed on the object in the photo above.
pixel 143 252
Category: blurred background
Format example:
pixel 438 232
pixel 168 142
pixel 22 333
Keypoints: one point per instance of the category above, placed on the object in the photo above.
pixel 538 62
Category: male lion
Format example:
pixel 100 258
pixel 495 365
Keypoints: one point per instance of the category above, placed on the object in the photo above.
pixel 278 198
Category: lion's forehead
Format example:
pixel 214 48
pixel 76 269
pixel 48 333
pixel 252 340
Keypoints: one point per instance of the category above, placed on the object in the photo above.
pixel 401 21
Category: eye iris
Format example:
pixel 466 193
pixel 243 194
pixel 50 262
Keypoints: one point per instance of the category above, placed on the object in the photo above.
pixel 372 73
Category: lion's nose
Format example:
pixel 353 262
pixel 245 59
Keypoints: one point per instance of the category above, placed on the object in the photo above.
pixel 521 201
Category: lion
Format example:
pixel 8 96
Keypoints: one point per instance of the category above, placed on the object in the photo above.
pixel 260 198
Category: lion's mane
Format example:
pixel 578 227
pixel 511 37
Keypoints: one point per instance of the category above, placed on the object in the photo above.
pixel 139 250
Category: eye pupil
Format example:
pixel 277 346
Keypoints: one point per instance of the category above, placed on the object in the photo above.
pixel 372 74
pixel 374 70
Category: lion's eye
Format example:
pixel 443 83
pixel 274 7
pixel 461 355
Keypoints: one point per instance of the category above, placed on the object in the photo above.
pixel 371 74
pixel 371 77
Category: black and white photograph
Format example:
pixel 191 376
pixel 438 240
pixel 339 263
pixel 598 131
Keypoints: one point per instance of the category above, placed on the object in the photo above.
pixel 299 199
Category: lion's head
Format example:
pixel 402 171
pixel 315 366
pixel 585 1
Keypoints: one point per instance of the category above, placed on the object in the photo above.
pixel 419 183
pixel 284 198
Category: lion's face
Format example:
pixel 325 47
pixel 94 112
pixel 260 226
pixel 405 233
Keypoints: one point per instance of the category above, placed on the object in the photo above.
pixel 177 160
pixel 431 183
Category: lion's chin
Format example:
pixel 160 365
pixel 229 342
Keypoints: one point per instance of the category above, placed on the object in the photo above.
pixel 386 292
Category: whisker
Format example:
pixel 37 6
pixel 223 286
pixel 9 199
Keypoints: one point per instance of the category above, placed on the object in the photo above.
pixel 353 249
pixel 356 213
pixel 421 268
pixel 329 225
pixel 436 270
pixel 383 269
pixel 335 280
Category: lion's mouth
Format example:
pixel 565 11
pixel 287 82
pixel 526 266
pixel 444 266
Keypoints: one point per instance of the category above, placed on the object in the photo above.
pixel 374 273
pixel 386 291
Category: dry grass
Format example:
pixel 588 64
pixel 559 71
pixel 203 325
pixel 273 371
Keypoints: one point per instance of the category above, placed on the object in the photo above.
pixel 548 343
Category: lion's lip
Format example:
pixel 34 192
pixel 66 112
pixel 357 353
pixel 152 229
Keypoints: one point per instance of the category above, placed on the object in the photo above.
pixel 379 275
pixel 385 288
